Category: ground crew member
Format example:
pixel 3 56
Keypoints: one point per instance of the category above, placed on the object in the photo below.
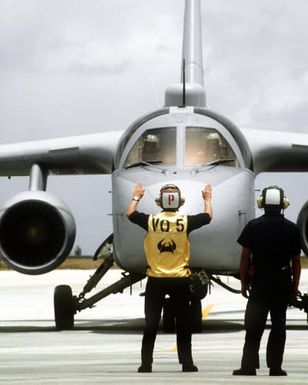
pixel 271 249
pixel 167 251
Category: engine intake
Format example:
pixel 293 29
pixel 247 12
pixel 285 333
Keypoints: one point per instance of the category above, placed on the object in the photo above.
pixel 37 231
pixel 302 222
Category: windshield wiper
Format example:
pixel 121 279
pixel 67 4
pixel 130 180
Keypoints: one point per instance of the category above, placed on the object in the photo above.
pixel 151 163
pixel 214 163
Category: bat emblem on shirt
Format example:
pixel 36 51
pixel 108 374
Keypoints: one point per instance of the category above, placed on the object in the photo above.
pixel 166 245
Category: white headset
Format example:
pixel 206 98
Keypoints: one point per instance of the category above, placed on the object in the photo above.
pixel 170 200
pixel 271 197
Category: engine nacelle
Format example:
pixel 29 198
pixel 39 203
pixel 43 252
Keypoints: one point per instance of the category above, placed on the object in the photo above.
pixel 37 231
pixel 302 222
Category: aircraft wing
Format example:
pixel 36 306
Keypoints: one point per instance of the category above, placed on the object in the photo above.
pixel 278 151
pixel 85 154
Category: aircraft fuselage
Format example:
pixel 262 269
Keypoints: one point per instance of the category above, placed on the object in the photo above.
pixel 189 147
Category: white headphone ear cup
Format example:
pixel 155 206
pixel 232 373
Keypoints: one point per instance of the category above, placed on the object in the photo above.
pixel 158 200
pixel 285 203
pixel 260 202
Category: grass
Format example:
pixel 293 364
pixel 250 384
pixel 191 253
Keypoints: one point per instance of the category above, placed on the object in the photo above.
pixel 77 263
pixel 304 262
pixel 80 263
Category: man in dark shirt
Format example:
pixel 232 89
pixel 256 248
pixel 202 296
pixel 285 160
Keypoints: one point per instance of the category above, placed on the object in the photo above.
pixel 270 272
pixel 167 251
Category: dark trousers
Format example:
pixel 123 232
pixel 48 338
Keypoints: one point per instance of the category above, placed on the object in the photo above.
pixel 156 290
pixel 261 303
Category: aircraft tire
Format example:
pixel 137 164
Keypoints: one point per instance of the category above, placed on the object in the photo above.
pixel 64 307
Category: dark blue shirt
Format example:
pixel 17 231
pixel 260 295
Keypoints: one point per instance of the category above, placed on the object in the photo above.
pixel 273 240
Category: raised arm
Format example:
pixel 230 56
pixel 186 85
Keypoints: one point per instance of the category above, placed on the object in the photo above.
pixel 207 196
pixel 138 194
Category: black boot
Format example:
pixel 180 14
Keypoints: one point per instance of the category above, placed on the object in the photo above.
pixel 244 372
pixel 189 368
pixel 277 372
pixel 145 368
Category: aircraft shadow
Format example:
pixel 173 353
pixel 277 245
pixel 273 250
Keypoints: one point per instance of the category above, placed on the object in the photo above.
pixel 127 326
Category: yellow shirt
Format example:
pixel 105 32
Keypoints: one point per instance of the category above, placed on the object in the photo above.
pixel 167 246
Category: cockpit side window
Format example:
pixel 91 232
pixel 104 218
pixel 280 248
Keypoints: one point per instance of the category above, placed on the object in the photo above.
pixel 156 146
pixel 205 145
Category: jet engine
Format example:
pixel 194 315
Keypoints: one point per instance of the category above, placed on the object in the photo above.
pixel 302 222
pixel 37 231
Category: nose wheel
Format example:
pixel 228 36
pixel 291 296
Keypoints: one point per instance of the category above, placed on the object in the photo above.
pixel 64 307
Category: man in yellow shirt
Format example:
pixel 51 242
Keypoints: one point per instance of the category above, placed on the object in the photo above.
pixel 167 250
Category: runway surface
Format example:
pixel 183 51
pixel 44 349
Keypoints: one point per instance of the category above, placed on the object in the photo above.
pixel 104 347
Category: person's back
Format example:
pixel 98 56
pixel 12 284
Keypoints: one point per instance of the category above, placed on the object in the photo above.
pixel 272 242
pixel 167 250
pixel 167 233
pixel 270 251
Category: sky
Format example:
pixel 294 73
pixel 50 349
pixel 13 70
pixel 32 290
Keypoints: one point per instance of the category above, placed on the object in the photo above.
pixel 75 67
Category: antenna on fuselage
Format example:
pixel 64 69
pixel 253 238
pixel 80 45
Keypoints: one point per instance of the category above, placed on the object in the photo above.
pixel 184 84
pixel 192 62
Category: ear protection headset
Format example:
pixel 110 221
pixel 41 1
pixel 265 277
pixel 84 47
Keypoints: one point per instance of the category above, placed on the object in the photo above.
pixel 170 198
pixel 272 197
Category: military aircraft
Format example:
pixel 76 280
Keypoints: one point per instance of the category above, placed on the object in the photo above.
pixel 184 143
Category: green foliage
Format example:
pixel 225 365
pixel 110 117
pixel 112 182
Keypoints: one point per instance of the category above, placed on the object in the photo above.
pixel 78 251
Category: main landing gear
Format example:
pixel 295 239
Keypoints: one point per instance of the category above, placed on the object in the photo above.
pixel 301 302
pixel 66 305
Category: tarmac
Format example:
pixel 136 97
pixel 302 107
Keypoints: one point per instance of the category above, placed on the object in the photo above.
pixel 104 346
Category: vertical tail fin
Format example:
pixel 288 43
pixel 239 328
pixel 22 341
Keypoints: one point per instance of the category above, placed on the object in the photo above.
pixel 192 43
pixel 192 57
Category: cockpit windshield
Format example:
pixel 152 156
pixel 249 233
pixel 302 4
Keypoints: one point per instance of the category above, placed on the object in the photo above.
pixel 154 146
pixel 205 145
pixel 202 146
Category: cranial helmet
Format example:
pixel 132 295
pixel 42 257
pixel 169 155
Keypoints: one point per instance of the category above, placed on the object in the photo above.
pixel 213 138
pixel 170 198
pixel 272 197
pixel 150 138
